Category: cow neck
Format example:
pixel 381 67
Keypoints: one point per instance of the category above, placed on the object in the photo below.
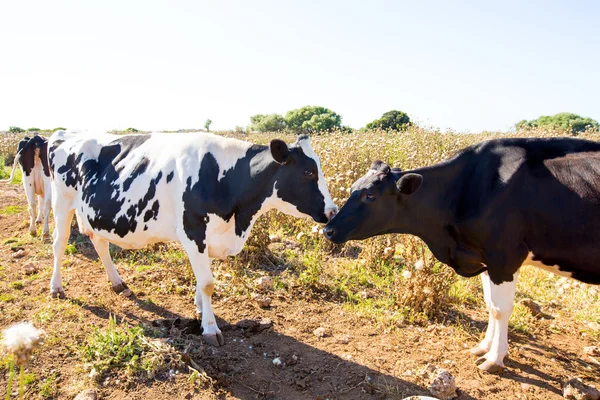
pixel 430 211
pixel 252 195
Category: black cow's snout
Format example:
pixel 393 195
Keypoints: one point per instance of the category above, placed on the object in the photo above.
pixel 328 231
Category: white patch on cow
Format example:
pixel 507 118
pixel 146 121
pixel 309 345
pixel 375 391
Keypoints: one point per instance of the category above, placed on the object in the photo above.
pixel 330 207
pixel 550 268
pixel 499 301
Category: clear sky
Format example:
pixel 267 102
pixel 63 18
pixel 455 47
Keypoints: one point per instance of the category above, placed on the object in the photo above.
pixel 463 65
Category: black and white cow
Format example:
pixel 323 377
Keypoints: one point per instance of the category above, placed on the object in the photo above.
pixel 202 190
pixel 32 156
pixel 490 209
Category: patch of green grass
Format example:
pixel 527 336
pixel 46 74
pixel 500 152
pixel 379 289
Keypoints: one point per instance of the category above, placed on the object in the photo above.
pixel 118 346
pixel 11 240
pixel 11 210
pixel 71 249
pixel 48 388
pixel 521 319
pixel 6 298
pixel 18 285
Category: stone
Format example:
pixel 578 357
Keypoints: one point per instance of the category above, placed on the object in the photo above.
pixel 533 307
pixel 264 282
pixel 441 382
pixel 30 269
pixel 575 389
pixel 320 332
pixel 592 350
pixel 87 394
pixel 19 254
pixel 262 301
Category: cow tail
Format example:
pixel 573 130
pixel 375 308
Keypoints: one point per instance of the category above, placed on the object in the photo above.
pixel 12 174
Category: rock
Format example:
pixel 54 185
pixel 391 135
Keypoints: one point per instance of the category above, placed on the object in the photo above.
pixel 441 381
pixel 87 394
pixel 30 269
pixel 343 339
pixel 533 307
pixel 594 326
pixel 274 239
pixel 575 389
pixel 592 350
pixel 264 282
pixel 320 332
pixel 262 301
pixel 19 254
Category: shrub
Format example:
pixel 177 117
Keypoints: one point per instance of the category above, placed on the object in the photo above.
pixel 15 129
pixel 394 120
pixel 312 119
pixel 566 121
pixel 267 123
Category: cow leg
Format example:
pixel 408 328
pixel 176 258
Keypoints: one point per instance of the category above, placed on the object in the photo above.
pixel 46 204
pixel 501 306
pixel 102 248
pixel 32 204
pixel 485 345
pixel 204 290
pixel 62 230
pixel 40 213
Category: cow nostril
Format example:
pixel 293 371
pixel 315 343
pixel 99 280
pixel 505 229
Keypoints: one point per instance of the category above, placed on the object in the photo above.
pixel 328 232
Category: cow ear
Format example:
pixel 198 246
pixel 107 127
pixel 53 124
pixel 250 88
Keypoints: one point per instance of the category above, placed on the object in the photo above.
pixel 279 150
pixel 409 183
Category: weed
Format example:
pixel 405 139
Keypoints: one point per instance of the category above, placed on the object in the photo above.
pixel 11 210
pixel 17 285
pixel 71 249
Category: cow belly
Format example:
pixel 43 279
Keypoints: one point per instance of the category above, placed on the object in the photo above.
pixel 550 268
pixel 161 230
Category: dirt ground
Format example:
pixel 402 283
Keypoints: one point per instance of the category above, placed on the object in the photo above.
pixel 356 359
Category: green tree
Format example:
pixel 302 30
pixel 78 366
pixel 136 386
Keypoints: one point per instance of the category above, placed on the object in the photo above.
pixel 207 125
pixel 568 121
pixel 312 119
pixel 395 120
pixel 267 123
pixel 15 129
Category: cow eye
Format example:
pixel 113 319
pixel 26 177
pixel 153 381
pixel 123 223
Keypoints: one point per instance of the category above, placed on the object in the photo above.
pixel 308 174
pixel 370 197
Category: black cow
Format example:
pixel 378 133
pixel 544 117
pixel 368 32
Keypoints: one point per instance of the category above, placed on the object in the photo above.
pixel 32 156
pixel 488 210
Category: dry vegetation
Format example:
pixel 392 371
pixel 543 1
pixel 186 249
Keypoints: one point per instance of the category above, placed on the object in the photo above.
pixel 388 286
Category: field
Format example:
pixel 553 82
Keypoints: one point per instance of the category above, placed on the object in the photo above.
pixel 385 306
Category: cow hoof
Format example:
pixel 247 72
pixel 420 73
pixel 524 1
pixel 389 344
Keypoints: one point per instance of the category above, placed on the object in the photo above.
pixel 214 339
pixel 57 294
pixel 489 366
pixel 33 233
pixel 122 290
pixel 477 351
pixel 45 237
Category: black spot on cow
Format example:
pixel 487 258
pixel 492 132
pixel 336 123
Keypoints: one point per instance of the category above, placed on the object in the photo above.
pixel 139 169
pixel 100 184
pixel 170 176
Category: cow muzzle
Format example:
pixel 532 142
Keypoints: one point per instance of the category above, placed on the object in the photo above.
pixel 331 212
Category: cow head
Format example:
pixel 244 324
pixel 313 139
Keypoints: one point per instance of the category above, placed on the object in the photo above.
pixel 299 181
pixel 373 203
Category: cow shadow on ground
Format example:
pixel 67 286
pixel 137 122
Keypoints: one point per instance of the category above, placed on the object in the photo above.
pixel 524 372
pixel 259 361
